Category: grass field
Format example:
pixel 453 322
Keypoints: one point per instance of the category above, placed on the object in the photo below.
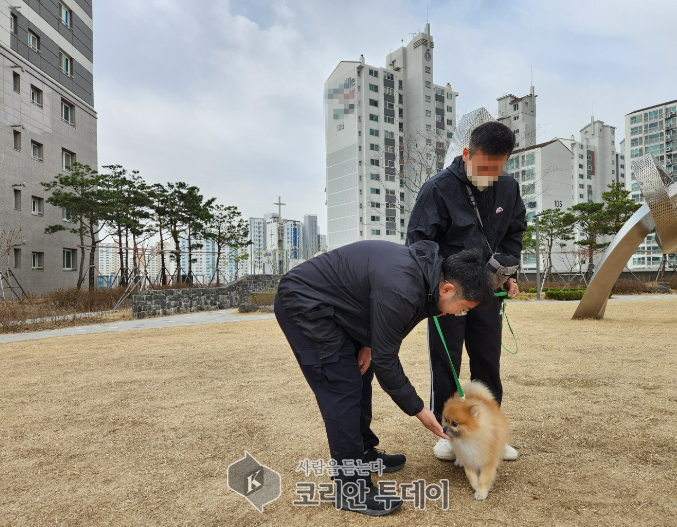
pixel 138 428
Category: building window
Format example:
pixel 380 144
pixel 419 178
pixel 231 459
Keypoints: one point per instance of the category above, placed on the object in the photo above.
pixel 374 162
pixel 515 107
pixel 428 98
pixel 428 84
pixel 66 214
pixel 375 205
pixel 33 41
pixel 17 258
pixel 373 87
pixel 17 140
pixel 13 24
pixel 67 113
pixel 68 259
pixel 374 177
pixel 66 63
pixel 449 109
pixel 373 147
pixel 373 73
pixel 374 190
pixel 17 199
pixel 428 113
pixel 376 232
pixel 36 151
pixel 373 102
pixel 37 260
pixel 580 196
pixel 68 158
pixel 65 15
pixel 516 118
pixel 389 91
pixel 16 80
pixel 389 120
pixel 373 132
pixel 388 76
pixel 36 96
pixel 37 206
pixel 373 117
pixel 428 127
pixel 376 218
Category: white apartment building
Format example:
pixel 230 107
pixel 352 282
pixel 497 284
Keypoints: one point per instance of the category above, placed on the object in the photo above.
pixel 311 241
pixel 651 130
pixel 387 130
pixel 519 114
pixel 301 240
pixel 564 172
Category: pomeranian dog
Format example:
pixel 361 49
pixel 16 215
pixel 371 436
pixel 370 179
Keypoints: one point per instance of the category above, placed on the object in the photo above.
pixel 478 432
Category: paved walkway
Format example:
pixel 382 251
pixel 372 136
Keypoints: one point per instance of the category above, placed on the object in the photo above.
pixel 189 319
pixel 216 317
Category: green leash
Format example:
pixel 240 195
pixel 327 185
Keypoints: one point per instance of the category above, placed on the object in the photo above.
pixel 453 370
pixel 504 294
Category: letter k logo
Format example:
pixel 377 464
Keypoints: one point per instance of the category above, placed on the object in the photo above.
pixel 252 482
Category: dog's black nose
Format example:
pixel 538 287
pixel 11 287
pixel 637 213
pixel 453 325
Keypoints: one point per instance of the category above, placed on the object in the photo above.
pixel 446 429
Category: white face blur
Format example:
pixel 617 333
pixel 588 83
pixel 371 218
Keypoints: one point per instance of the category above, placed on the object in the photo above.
pixel 483 170
pixel 450 301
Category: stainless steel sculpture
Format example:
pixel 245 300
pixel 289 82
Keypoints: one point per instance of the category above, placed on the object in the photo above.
pixel 464 128
pixel 659 211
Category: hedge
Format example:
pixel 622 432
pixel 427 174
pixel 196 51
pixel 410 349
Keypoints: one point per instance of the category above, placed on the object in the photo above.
pixel 567 294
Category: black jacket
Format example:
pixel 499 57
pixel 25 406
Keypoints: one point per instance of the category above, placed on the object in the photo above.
pixel 373 291
pixel 443 213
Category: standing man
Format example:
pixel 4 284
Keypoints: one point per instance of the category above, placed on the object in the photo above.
pixel 345 314
pixel 446 211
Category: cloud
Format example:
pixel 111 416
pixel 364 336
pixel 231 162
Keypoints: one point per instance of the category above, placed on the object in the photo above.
pixel 228 95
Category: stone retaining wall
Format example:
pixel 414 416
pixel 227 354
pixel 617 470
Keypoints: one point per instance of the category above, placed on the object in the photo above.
pixel 170 301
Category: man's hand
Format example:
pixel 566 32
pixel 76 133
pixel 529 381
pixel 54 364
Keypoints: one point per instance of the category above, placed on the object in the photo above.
pixel 364 359
pixel 428 419
pixel 513 288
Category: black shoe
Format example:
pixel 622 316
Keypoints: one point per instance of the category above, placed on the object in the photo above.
pixel 390 463
pixel 375 503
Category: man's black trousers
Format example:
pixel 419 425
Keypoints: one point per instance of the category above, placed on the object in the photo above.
pixel 481 330
pixel 343 395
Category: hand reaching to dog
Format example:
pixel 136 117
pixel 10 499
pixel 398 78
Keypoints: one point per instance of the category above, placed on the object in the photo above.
pixel 364 359
pixel 428 419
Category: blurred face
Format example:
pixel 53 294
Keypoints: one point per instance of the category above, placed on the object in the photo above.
pixel 483 170
pixel 450 301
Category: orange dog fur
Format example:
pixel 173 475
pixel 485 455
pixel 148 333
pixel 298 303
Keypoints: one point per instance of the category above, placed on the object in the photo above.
pixel 478 431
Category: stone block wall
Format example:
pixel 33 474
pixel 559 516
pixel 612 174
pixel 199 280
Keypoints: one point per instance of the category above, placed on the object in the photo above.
pixel 186 300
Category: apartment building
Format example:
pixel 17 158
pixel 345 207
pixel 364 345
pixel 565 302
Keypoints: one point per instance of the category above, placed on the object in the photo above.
pixel 48 122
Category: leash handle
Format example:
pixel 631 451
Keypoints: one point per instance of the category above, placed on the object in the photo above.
pixel 453 370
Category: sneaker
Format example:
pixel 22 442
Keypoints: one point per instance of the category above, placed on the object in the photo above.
pixel 509 453
pixel 391 463
pixel 443 450
pixel 376 503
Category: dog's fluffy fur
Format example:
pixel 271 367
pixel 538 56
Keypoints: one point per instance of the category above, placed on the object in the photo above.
pixel 478 432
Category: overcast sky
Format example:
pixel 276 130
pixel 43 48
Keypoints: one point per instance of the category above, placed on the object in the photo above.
pixel 227 95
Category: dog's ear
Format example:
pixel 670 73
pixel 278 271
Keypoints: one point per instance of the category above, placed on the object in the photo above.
pixel 474 410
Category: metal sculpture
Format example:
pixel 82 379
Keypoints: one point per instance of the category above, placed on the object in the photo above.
pixel 658 211
pixel 464 128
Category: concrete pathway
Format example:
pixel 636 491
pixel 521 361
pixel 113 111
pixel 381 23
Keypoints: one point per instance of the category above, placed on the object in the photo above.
pixel 217 317
pixel 188 319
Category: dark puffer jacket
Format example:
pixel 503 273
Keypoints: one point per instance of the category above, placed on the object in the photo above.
pixel 373 291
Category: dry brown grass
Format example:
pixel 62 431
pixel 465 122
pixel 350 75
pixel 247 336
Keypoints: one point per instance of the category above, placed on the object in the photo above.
pixel 54 310
pixel 138 428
